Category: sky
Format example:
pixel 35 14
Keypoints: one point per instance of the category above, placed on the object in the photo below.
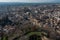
pixel 29 1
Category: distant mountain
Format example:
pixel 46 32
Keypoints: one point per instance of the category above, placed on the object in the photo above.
pixel 23 4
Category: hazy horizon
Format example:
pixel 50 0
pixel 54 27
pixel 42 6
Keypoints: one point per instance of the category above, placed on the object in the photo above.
pixel 32 1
